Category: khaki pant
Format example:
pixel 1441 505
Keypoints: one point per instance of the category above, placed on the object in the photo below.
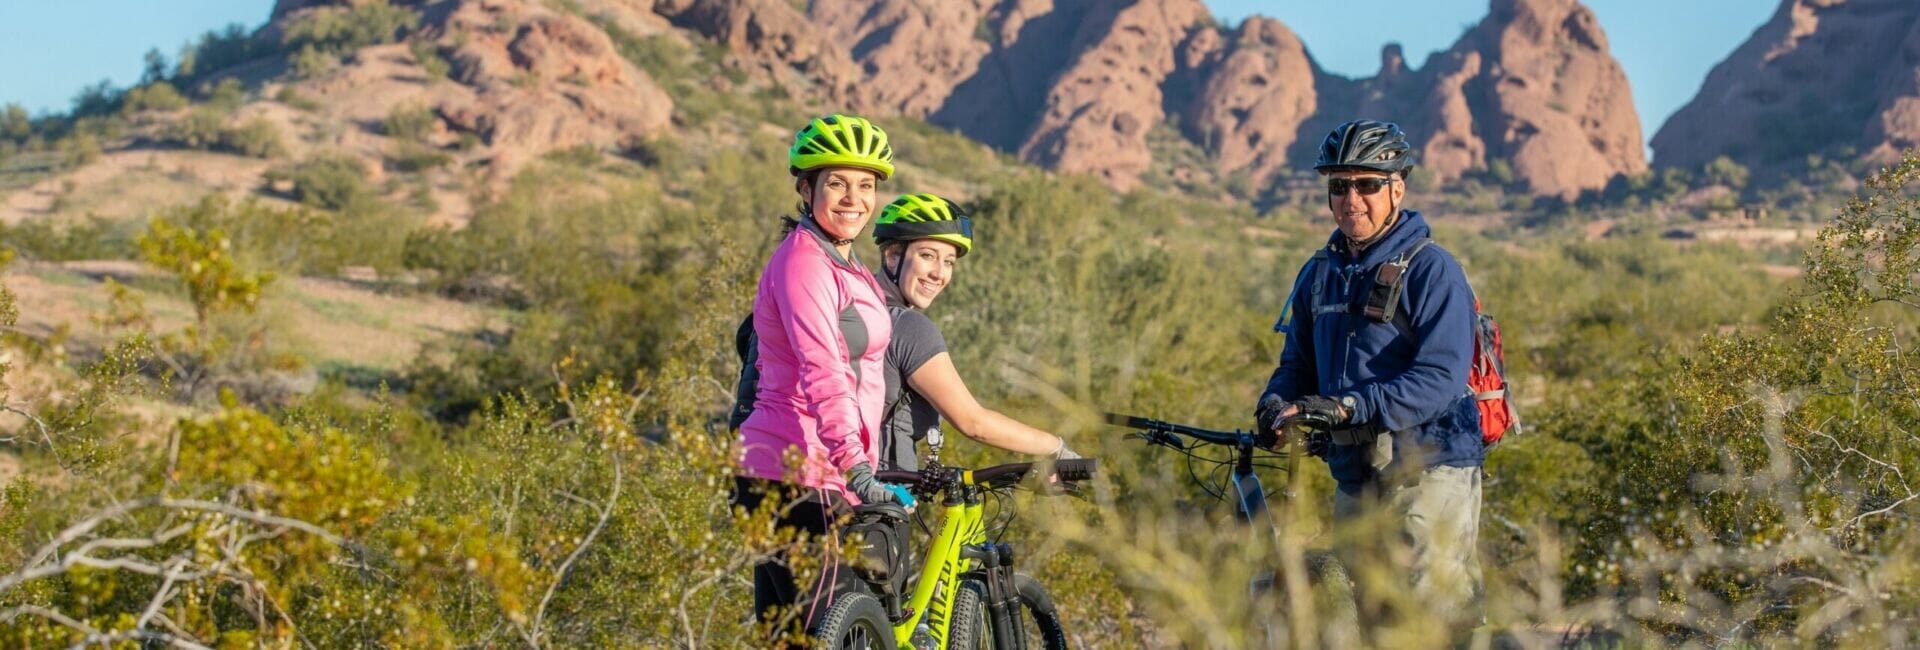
pixel 1439 511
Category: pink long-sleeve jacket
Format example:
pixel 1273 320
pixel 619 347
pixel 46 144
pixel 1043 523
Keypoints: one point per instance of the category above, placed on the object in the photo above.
pixel 823 331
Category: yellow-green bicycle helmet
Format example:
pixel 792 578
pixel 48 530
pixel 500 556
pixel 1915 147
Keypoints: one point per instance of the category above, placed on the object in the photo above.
pixel 925 216
pixel 841 141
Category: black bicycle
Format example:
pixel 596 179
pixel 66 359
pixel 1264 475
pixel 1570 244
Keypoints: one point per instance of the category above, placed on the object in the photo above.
pixel 1252 450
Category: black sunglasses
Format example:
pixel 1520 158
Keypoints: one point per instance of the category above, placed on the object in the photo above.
pixel 1368 186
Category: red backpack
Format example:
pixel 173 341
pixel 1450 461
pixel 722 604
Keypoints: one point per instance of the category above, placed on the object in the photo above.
pixel 1488 380
pixel 1486 377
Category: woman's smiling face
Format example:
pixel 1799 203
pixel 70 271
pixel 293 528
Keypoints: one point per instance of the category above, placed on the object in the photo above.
pixel 842 199
pixel 926 266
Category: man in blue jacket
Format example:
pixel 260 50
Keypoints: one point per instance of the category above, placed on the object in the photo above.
pixel 1388 368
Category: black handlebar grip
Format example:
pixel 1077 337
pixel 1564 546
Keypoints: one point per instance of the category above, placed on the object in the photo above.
pixel 1129 421
pixel 1076 469
pixel 898 477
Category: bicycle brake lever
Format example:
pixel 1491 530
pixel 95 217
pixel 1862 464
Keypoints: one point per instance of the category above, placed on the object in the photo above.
pixel 1162 438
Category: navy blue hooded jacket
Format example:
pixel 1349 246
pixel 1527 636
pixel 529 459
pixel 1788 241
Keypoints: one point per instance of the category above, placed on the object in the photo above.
pixel 1406 376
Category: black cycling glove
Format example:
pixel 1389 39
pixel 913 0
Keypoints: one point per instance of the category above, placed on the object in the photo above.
pixel 1267 415
pixel 1325 407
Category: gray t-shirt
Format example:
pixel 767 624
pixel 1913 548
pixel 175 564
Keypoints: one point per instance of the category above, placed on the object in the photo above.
pixel 915 341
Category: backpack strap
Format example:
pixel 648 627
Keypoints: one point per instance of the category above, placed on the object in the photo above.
pixel 746 388
pixel 893 407
pixel 1316 270
pixel 1389 281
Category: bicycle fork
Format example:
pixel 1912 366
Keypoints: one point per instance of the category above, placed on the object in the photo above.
pixel 1003 596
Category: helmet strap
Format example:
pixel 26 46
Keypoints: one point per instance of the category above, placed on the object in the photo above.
pixel 899 266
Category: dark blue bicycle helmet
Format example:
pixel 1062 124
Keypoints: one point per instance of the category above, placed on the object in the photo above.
pixel 1366 144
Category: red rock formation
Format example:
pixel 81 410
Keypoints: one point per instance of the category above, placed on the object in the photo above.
pixel 1101 107
pixel 775 42
pixel 1256 93
pixel 551 81
pixel 1821 76
pixel 1032 42
pixel 1533 83
pixel 911 54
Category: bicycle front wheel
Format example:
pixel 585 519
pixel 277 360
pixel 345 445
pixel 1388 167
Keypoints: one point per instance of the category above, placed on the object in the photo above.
pixel 971 630
pixel 855 621
pixel 1042 623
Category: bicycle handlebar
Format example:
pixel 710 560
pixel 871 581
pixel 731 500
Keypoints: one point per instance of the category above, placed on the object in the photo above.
pixel 934 479
pixel 1151 426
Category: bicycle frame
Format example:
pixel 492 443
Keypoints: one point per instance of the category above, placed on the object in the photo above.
pixel 962 527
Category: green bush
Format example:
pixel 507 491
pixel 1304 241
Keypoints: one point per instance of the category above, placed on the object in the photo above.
pixel 329 181
pixel 301 239
pixel 310 62
pixel 226 95
pixel 157 96
pixel 335 30
pixel 218 50
pixel 201 128
pixel 295 99
pixel 206 128
pixel 412 123
pixel 15 125
pixel 91 239
pixel 1724 171
pixel 430 60
pixel 413 157
pixel 258 137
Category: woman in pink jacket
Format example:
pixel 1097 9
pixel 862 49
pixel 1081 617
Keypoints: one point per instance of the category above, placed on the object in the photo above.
pixel 822 326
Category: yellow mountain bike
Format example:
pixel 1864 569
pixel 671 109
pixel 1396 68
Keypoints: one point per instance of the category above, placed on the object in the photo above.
pixel 967 594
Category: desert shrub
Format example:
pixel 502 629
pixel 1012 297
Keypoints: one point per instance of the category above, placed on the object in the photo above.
pixel 300 239
pixel 328 181
pixel 93 238
pixel 412 123
pixel 198 129
pixel 415 157
pixel 225 95
pixel 430 60
pixel 79 150
pixel 334 30
pixel 1724 171
pixel 97 99
pixel 15 125
pixel 258 137
pixel 156 96
pixel 206 128
pixel 295 99
pixel 217 50
pixel 310 62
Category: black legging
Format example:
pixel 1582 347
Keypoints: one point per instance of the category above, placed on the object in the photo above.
pixel 774 590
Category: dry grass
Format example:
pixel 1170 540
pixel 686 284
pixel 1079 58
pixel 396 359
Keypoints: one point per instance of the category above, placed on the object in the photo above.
pixel 339 323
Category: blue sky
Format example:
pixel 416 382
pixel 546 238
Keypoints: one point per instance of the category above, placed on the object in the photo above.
pixel 53 48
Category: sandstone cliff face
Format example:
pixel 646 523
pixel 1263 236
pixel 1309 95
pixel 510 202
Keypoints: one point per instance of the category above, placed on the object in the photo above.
pixel 1075 85
pixel 773 41
pixel 1821 76
pixel 1031 42
pixel 524 79
pixel 1254 94
pixel 552 82
pixel 1534 84
pixel 1100 109
pixel 911 55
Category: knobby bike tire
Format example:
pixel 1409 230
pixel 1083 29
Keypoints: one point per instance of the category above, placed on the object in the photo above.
pixel 855 621
pixel 1038 607
pixel 970 629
